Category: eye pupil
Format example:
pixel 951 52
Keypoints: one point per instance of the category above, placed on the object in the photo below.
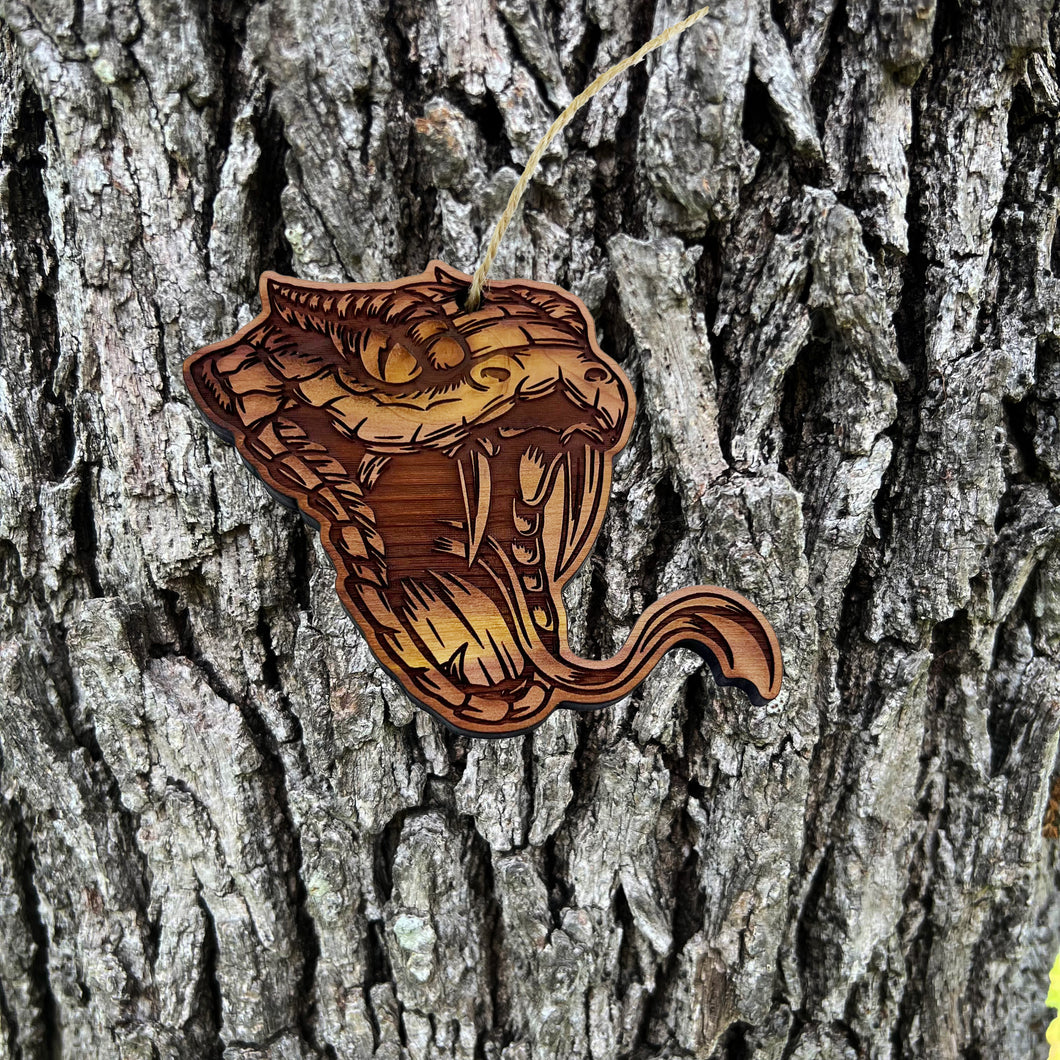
pixel 401 366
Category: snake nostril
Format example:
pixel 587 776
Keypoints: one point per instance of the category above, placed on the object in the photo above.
pixel 595 375
pixel 499 374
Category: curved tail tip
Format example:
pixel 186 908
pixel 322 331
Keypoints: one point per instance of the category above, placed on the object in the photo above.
pixel 738 643
pixel 758 693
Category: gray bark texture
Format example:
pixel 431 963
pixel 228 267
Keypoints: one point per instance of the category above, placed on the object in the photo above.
pixel 821 237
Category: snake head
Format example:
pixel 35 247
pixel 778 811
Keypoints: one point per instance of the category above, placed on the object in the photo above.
pixel 402 366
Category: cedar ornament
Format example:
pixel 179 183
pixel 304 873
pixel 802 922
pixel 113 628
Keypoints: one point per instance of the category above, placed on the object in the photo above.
pixel 458 466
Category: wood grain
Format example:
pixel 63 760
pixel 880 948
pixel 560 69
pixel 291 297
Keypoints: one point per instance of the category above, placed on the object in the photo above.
pixel 458 466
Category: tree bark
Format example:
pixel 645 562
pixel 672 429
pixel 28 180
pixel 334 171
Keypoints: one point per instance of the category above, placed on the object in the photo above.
pixel 821 238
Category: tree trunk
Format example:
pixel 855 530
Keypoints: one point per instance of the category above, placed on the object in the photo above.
pixel 821 239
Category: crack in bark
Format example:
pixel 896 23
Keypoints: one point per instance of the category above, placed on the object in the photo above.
pixel 556 886
pixel 228 23
pixel 51 1027
pixel 288 834
pixel 34 272
pixel 161 364
pixel 378 971
pixel 211 1011
pixel 491 941
pixel 733 1044
pixel 628 971
pixel 266 186
pixel 617 174
pixel 308 938
pixel 83 524
pixel 529 68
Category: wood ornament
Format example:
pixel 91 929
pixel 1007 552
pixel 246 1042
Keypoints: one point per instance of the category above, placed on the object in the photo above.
pixel 458 467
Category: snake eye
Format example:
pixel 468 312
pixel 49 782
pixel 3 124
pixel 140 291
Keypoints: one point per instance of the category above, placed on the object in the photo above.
pixel 401 366
pixel 443 346
pixel 446 353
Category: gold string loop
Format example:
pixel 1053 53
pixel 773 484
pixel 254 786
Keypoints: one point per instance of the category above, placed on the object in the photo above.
pixel 478 281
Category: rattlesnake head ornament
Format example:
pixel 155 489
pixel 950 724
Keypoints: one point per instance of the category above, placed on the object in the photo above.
pixel 458 466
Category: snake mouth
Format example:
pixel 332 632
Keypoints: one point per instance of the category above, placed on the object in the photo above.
pixel 464 594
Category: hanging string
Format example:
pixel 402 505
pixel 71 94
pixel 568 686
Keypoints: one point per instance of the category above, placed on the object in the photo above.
pixel 478 281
